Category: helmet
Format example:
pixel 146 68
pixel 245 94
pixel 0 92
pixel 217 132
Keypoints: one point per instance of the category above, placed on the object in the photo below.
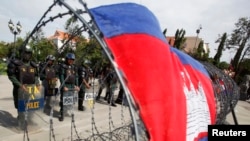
pixel 27 49
pixel 70 56
pixel 50 57
pixel 27 53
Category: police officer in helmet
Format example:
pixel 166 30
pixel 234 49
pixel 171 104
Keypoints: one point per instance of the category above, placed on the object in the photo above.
pixel 68 78
pixel 22 72
pixel 49 77
pixel 83 84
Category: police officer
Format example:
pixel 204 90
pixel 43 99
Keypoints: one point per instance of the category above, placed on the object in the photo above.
pixel 120 97
pixel 103 81
pixel 49 77
pixel 68 78
pixel 111 86
pixel 22 72
pixel 83 84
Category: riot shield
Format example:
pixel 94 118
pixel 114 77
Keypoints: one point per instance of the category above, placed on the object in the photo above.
pixel 70 98
pixel 89 97
pixel 29 103
pixel 50 91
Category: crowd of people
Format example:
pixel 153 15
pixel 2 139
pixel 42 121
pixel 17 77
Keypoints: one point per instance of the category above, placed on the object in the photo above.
pixel 72 79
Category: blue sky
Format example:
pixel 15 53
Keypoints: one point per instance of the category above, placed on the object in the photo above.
pixel 215 16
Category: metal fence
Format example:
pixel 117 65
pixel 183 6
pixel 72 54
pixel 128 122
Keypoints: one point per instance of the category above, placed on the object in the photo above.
pixel 125 123
pixel 226 91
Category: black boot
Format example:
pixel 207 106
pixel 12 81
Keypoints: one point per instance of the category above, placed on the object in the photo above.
pixel 61 117
pixel 107 96
pixel 99 93
pixel 113 104
pixel 118 101
pixel 97 98
pixel 81 108
pixel 80 105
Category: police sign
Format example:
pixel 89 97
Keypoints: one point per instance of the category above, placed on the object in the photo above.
pixel 89 96
pixel 68 100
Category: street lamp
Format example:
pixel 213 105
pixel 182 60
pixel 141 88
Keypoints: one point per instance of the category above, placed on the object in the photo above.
pixel 197 32
pixel 15 31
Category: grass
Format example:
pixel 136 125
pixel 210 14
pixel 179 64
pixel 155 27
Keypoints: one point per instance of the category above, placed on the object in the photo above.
pixel 3 68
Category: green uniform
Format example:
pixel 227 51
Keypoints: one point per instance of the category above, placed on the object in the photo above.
pixel 20 73
pixel 68 78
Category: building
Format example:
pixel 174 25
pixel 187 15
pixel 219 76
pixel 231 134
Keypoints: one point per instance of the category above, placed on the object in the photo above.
pixel 60 38
pixel 192 43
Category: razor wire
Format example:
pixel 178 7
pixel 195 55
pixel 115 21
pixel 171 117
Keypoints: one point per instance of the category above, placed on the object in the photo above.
pixel 25 117
pixel 133 129
pixel 92 29
pixel 226 92
pixel 52 133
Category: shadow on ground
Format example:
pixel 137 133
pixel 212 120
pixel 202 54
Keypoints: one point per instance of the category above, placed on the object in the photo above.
pixel 8 121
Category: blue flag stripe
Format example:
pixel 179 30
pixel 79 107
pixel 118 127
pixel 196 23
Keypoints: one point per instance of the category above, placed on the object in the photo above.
pixel 126 18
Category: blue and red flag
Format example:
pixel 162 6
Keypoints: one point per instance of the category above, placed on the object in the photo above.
pixel 173 91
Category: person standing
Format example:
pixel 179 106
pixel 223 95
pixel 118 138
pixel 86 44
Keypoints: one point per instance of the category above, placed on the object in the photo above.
pixel 83 84
pixel 112 81
pixel 49 78
pixel 120 97
pixel 103 81
pixel 68 77
pixel 23 72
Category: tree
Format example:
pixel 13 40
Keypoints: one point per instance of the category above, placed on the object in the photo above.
pixel 40 46
pixel 239 39
pixel 180 39
pixel 3 50
pixel 200 53
pixel 223 65
pixel 222 41
pixel 87 50
pixel 165 32
pixel 244 68
pixel 42 49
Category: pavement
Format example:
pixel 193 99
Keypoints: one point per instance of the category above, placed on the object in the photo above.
pixel 80 127
pixel 83 120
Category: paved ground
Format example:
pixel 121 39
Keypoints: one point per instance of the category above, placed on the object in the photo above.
pixel 41 131
pixel 9 130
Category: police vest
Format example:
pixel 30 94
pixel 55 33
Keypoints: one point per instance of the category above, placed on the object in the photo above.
pixel 82 73
pixel 69 73
pixel 26 73
pixel 50 73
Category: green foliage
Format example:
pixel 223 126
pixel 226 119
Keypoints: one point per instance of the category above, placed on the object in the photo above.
pixel 180 39
pixel 89 51
pixel 3 50
pixel 210 60
pixel 200 53
pixel 244 69
pixel 239 39
pixel 223 65
pixel 42 49
pixel 218 55
pixel 86 50
pixel 3 67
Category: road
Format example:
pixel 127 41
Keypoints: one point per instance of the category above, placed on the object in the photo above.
pixel 101 119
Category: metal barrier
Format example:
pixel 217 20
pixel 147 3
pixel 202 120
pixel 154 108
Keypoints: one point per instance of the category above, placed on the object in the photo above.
pixel 127 125
pixel 226 91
